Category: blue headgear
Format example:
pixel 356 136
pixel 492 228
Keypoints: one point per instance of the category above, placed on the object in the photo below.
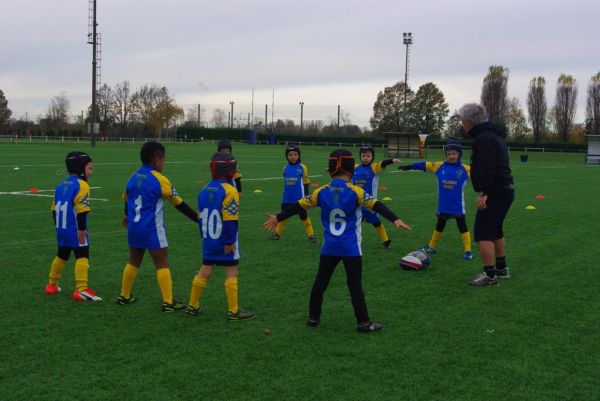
pixel 454 144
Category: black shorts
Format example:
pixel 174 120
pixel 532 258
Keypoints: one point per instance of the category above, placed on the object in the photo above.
pixel 488 221
pixel 207 262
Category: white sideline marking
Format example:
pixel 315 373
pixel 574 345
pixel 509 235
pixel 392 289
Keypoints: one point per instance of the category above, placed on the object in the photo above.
pixel 95 164
pixel 274 178
pixel 27 193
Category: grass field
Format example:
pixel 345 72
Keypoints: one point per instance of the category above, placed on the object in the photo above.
pixel 534 337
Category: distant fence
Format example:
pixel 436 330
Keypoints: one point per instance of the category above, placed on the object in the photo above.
pixel 70 139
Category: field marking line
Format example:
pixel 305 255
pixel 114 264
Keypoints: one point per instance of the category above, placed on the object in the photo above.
pixel 27 193
pixel 275 178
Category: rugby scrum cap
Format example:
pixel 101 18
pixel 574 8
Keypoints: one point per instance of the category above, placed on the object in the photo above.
pixel 224 144
pixel 223 166
pixel 341 161
pixel 292 147
pixel 367 147
pixel 76 162
pixel 454 144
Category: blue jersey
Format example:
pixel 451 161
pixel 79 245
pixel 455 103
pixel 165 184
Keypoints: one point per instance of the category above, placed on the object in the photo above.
pixel 452 179
pixel 367 177
pixel 146 191
pixel 341 215
pixel 218 206
pixel 295 176
pixel 71 197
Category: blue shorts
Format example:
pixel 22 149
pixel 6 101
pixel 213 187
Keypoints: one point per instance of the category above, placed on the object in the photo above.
pixel 370 217
pixel 155 239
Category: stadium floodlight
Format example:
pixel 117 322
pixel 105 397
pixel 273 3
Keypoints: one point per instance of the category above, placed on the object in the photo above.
pixel 301 116
pixel 231 117
pixel 408 40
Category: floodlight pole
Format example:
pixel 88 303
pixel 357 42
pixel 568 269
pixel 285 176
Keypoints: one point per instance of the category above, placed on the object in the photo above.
pixel 407 43
pixel 231 120
pixel 94 72
pixel 301 116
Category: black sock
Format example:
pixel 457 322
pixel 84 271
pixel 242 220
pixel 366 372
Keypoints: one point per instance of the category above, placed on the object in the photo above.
pixel 489 270
pixel 501 262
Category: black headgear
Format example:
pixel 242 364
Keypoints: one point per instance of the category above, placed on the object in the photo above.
pixel 76 162
pixel 292 147
pixel 454 144
pixel 341 160
pixel 223 166
pixel 224 144
pixel 367 147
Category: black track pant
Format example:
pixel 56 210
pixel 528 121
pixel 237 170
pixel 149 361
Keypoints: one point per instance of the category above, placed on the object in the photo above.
pixel 461 222
pixel 353 266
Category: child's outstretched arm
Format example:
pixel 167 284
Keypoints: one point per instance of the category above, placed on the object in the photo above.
pixel 288 212
pixel 383 210
pixel 387 162
pixel 187 211
pixel 415 166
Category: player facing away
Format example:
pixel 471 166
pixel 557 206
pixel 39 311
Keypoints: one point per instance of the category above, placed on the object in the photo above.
pixel 452 176
pixel 341 206
pixel 70 208
pixel 366 176
pixel 295 187
pixel 219 209
pixel 145 196
pixel 225 146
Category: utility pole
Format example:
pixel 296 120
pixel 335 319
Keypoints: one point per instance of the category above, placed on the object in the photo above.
pixel 199 119
pixel 407 42
pixel 231 122
pixel 266 114
pixel 338 117
pixel 301 116
pixel 94 72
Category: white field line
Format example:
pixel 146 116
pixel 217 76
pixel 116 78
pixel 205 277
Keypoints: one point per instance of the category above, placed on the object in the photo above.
pixel 27 193
pixel 274 178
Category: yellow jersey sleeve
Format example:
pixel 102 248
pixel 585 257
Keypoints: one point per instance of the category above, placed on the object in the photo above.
pixel 433 166
pixel 53 207
pixel 364 199
pixel 82 199
pixel 311 201
pixel 305 179
pixel 124 196
pixel 237 174
pixel 231 204
pixel 467 169
pixel 377 168
pixel 167 189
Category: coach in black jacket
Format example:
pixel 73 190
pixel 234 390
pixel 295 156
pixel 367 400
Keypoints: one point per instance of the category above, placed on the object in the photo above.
pixel 493 182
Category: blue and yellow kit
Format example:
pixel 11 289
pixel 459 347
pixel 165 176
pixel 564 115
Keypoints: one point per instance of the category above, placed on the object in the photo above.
pixel 452 179
pixel 71 197
pixel 341 203
pixel 367 177
pixel 295 177
pixel 145 193
pixel 218 206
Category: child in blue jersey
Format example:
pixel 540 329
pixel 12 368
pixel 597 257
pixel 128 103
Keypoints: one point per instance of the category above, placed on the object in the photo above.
pixel 219 205
pixel 366 176
pixel 225 146
pixel 145 196
pixel 452 176
pixel 341 204
pixel 70 208
pixel 295 187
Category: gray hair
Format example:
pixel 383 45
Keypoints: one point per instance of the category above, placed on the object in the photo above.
pixel 473 112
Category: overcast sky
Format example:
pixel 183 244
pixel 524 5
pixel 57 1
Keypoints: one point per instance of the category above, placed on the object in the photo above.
pixel 323 52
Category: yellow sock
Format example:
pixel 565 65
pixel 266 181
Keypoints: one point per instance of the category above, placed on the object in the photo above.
pixel 231 292
pixel 163 275
pixel 198 286
pixel 129 274
pixel 382 233
pixel 466 240
pixel 308 227
pixel 82 266
pixel 56 269
pixel 435 238
pixel 280 227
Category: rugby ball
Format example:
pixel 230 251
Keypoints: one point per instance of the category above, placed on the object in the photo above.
pixel 422 256
pixel 410 262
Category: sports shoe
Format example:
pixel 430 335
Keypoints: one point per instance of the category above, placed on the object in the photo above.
pixel 369 327
pixel 387 245
pixel 241 314
pixel 274 236
pixel 483 280
pixel 468 256
pixel 312 239
pixel 175 306
pixel 191 311
pixel 428 249
pixel 312 322
pixel 86 295
pixel 52 289
pixel 121 300
pixel 502 273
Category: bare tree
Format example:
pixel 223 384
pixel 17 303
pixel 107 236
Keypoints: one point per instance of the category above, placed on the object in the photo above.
pixel 154 108
pixel 593 105
pixel 58 111
pixel 537 107
pixel 494 93
pixel 345 118
pixel 105 104
pixel 5 112
pixel 122 103
pixel 565 105
pixel 218 118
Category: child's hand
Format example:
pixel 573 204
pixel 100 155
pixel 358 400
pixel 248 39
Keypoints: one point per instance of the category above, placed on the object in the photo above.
pixel 125 221
pixel 400 224
pixel 81 237
pixel 396 161
pixel 229 249
pixel 271 222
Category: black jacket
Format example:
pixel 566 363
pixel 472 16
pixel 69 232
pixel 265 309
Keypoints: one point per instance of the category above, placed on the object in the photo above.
pixel 490 168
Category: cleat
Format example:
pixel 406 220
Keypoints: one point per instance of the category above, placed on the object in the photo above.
pixel 503 273
pixel 52 289
pixel 369 327
pixel 312 239
pixel 191 311
pixel 387 245
pixel 121 300
pixel 310 322
pixel 468 256
pixel 428 249
pixel 274 236
pixel 241 314
pixel 86 295
pixel 483 280
pixel 175 306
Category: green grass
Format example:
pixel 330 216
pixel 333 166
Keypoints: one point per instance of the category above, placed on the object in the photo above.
pixel 534 337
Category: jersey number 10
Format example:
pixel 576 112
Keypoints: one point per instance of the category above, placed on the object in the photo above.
pixel 211 225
